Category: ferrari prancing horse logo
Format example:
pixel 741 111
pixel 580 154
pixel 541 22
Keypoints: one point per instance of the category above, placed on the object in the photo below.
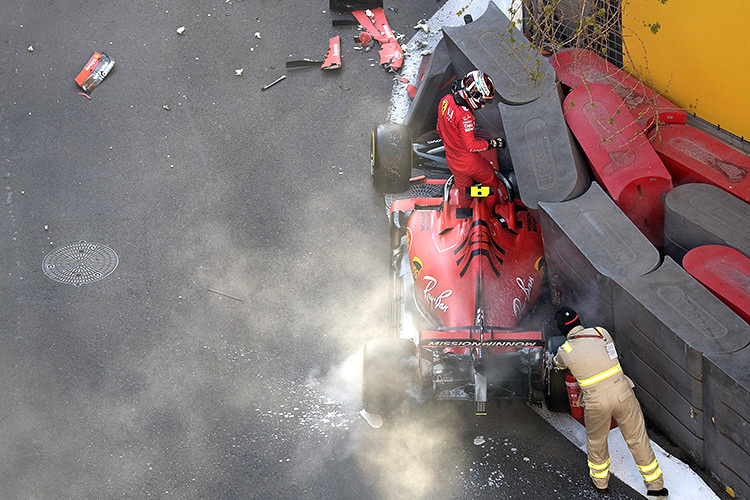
pixel 416 266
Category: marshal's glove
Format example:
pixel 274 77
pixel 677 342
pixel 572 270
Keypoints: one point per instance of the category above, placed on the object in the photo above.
pixel 498 143
pixel 549 363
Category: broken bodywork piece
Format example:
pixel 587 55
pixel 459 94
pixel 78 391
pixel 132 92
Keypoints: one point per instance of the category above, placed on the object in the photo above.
pixel 332 60
pixel 333 57
pixel 301 63
pixel 391 55
pixel 364 39
pixel 95 71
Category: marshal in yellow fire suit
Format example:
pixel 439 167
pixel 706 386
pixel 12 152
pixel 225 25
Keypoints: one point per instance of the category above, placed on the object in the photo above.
pixel 590 355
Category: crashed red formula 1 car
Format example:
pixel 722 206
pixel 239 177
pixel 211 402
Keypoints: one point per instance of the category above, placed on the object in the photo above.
pixel 464 283
pixel 470 317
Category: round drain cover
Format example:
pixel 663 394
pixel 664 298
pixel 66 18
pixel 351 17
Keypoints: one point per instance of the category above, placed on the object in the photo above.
pixel 80 263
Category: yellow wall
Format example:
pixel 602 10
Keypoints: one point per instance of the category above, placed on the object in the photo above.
pixel 699 59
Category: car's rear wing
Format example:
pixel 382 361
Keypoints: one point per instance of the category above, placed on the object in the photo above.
pixel 471 337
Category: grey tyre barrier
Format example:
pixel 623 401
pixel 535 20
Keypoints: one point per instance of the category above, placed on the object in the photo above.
pixel 490 44
pixel 665 322
pixel 588 242
pixel 551 168
pixel 726 395
pixel 701 214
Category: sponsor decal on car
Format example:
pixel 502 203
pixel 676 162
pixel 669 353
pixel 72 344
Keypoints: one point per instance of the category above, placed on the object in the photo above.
pixel 519 304
pixel 478 343
pixel 435 302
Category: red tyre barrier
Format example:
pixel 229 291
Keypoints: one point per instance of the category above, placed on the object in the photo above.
pixel 574 67
pixel 623 160
pixel 692 155
pixel 725 272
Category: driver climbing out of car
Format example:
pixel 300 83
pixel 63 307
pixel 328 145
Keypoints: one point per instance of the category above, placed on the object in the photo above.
pixel 456 127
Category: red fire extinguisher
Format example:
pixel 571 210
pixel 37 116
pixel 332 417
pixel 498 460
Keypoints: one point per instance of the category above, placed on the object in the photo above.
pixel 574 397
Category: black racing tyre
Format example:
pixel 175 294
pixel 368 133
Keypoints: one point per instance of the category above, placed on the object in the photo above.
pixel 556 392
pixel 391 161
pixel 389 374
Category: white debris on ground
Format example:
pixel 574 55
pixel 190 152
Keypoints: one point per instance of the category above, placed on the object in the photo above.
pixel 679 479
pixel 322 404
pixel 484 473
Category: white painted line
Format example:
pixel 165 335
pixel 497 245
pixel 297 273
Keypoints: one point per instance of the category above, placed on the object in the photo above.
pixel 679 479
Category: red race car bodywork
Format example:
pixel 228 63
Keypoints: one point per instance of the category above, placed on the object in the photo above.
pixel 465 284
pixel 464 265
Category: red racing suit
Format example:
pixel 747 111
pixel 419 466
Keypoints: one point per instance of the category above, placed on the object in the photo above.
pixel 455 126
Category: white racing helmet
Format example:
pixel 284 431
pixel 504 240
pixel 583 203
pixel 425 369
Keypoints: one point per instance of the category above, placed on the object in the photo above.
pixel 477 87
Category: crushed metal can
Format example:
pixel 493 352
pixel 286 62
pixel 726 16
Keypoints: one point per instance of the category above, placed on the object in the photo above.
pixel 95 71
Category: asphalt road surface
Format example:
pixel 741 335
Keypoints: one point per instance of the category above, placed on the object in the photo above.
pixel 220 359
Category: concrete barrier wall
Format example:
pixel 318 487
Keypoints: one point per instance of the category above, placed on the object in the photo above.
pixel 588 241
pixel 701 214
pixel 422 114
pixel 726 397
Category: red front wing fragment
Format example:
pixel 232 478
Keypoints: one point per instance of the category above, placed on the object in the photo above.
pixel 333 57
pixel 391 55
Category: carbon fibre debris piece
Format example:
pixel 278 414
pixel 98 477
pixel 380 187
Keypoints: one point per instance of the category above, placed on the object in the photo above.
pixel 301 63
pixel 364 39
pixel 344 22
pixel 350 5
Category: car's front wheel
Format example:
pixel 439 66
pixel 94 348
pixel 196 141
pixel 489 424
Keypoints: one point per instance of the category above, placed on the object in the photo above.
pixel 389 374
pixel 391 161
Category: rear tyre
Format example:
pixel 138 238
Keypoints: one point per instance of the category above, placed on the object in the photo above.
pixel 389 374
pixel 556 392
pixel 391 161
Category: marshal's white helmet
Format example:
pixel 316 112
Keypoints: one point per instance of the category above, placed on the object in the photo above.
pixel 477 87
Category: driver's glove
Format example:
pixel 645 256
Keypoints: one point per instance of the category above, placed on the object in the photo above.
pixel 498 143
